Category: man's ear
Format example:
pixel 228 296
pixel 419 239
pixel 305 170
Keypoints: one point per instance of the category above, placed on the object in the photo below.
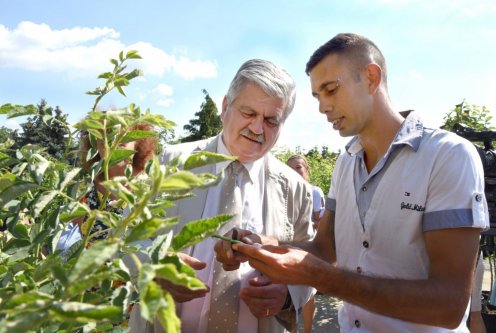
pixel 374 76
pixel 224 108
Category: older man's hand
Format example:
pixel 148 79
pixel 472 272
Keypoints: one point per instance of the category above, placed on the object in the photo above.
pixel 224 253
pixel 264 298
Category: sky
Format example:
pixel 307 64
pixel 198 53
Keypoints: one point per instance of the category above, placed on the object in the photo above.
pixel 438 53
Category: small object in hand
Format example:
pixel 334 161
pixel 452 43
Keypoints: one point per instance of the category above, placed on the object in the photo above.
pixel 233 241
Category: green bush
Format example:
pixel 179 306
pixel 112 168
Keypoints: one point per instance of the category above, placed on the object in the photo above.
pixel 42 292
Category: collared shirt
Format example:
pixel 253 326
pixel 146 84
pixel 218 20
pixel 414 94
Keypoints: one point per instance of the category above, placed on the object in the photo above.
pixel 194 314
pixel 428 179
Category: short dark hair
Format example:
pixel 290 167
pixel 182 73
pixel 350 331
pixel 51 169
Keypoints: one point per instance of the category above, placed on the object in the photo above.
pixel 357 49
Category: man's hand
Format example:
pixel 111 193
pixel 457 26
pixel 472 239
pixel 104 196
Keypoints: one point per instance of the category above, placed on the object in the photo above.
pixel 223 251
pixel 264 298
pixel 180 293
pixel 282 264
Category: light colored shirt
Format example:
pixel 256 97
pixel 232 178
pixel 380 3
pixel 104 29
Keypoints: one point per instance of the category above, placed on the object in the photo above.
pixel 194 314
pixel 428 180
pixel 318 200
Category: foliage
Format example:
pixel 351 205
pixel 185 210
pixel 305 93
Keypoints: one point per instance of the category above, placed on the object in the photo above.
pixel 321 164
pixel 8 134
pixel 47 128
pixel 207 123
pixel 91 287
pixel 476 117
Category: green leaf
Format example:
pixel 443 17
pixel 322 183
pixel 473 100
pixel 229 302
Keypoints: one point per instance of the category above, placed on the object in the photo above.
pixel 26 298
pixel 88 124
pixel 168 317
pixel 23 322
pixel 134 73
pixel 158 120
pixel 15 190
pixel 43 201
pixel 204 158
pixel 119 296
pixel 132 54
pixel 181 180
pixel 73 210
pixel 120 191
pixel 6 160
pixel 20 231
pixel 6 180
pixel 170 273
pixel 106 75
pixel 120 90
pixel 68 177
pixel 196 231
pixel 18 246
pixel 13 110
pixel 160 247
pixel 119 155
pixel 144 230
pixel 150 292
pixel 38 170
pixel 91 259
pixel 74 310
pixel 137 135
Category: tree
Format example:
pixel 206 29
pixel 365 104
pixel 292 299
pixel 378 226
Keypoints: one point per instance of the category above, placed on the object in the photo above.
pixel 47 129
pixel 207 123
pixel 476 117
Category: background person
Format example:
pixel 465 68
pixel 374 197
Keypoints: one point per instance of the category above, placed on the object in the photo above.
pixel 299 164
pixel 145 149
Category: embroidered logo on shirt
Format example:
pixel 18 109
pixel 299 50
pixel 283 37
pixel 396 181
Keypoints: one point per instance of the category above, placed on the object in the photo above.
pixel 418 208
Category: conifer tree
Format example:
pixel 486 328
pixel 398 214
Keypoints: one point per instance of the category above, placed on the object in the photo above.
pixel 207 122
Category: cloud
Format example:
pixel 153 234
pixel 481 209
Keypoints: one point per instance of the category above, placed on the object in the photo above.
pixel 161 95
pixel 83 51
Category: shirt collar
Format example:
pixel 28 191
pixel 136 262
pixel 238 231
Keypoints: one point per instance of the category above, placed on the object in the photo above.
pixel 253 168
pixel 410 134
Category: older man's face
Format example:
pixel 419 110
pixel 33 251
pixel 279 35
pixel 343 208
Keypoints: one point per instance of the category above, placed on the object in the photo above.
pixel 252 123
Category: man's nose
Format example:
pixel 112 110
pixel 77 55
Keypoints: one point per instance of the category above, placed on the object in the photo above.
pixel 324 107
pixel 256 125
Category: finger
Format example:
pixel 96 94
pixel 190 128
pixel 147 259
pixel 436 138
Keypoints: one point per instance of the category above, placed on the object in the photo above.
pixel 228 267
pixel 192 261
pixel 251 239
pixel 260 281
pixel 252 251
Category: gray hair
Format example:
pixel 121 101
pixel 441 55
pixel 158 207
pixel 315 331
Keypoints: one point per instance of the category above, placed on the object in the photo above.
pixel 273 80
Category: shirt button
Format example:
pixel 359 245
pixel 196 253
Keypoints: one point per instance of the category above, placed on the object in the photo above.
pixel 364 188
pixel 359 270
pixel 357 323
pixel 365 244
pixel 478 198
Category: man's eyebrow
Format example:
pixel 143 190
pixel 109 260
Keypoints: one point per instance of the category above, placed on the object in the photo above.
pixel 325 84
pixel 247 108
pixel 322 86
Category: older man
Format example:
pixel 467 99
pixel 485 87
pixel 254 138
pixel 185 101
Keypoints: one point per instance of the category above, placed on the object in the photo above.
pixel 273 200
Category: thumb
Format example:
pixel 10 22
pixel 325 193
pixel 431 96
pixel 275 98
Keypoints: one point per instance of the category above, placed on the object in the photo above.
pixel 260 281
pixel 192 261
